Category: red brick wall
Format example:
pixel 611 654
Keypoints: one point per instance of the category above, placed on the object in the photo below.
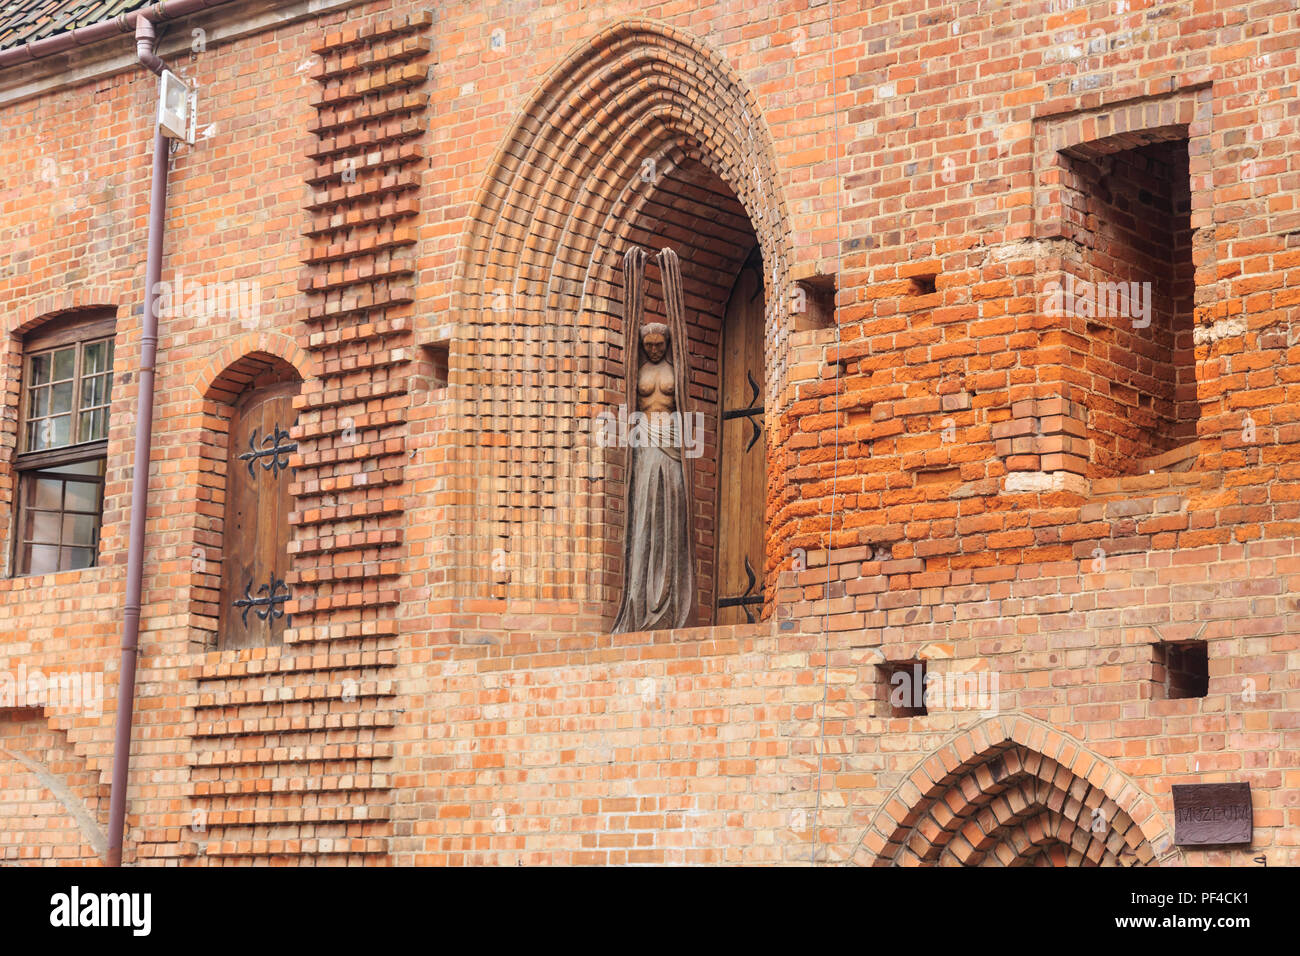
pixel 59 795
pixel 702 747
pixel 446 692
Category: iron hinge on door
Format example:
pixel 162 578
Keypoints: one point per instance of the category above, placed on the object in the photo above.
pixel 745 600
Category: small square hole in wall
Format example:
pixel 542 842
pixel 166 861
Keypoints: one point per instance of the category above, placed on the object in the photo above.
pixel 922 284
pixel 433 365
pixel 812 301
pixel 902 688
pixel 1181 669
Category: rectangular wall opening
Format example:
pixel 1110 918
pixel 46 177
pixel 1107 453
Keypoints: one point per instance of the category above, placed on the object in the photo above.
pixel 902 688
pixel 432 366
pixel 1131 301
pixel 1181 669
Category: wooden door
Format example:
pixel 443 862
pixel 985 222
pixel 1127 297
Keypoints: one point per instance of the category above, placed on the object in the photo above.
pixel 742 466
pixel 255 536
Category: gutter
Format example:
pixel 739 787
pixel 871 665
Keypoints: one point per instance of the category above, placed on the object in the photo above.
pixel 123 23
pixel 92 62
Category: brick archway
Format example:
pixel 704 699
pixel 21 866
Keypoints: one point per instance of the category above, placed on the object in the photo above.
pixel 593 163
pixel 245 358
pixel 252 361
pixel 597 117
pixel 1011 791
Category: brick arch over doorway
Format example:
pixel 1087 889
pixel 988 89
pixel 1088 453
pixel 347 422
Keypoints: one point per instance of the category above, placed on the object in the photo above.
pixel 1014 792
pixel 231 376
pixel 643 134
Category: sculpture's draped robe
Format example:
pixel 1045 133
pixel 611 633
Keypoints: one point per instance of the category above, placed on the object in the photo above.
pixel 659 562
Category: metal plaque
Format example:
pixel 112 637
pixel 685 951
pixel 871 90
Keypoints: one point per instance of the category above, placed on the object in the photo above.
pixel 1212 813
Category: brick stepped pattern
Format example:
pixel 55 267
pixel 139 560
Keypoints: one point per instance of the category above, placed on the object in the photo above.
pixel 287 757
pixel 283 766
pixel 62 793
pixel 358 275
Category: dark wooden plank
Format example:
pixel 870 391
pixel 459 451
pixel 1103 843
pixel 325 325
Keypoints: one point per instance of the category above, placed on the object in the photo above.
pixel 255 533
pixel 742 488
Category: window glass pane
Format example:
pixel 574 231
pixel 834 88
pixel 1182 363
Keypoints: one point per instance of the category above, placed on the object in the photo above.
pixel 94 425
pixel 65 361
pixel 39 403
pixel 79 530
pixel 41 559
pixel 61 398
pixel 93 358
pixel 93 466
pixel 74 558
pixel 45 493
pixel 43 526
pixel 89 390
pixel 40 369
pixel 62 430
pixel 82 496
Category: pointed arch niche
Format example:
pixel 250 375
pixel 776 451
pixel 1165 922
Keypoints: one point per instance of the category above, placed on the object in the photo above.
pixel 641 136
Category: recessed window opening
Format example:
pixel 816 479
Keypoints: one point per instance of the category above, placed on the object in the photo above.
pixel 67 381
pixel 433 367
pixel 1131 299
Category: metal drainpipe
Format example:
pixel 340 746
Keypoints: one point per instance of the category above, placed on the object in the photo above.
pixel 145 40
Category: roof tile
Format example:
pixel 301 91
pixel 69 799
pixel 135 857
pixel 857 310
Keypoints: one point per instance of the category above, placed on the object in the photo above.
pixel 23 21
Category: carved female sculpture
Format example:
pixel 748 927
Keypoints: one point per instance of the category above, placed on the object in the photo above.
pixel 658 552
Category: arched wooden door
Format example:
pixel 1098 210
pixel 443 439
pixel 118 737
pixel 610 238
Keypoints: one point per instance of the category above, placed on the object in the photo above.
pixel 742 464
pixel 255 534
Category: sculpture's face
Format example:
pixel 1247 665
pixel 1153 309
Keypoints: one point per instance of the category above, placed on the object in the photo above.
pixel 655 345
